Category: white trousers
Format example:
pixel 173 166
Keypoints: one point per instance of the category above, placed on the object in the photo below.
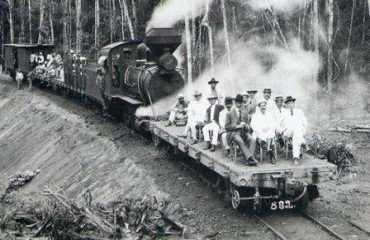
pixel 214 128
pixel 190 125
pixel 224 140
pixel 172 116
pixel 297 134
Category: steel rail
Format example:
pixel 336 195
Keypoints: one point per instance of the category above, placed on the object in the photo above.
pixel 273 230
pixel 326 228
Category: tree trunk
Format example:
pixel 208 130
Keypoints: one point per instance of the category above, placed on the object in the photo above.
pixel 51 25
pixel 78 26
pixel 39 41
pixel 315 29
pixel 134 14
pixel 10 19
pixel 66 46
pixel 122 19
pixel 128 18
pixel 110 20
pixel 21 6
pixel 349 36
pixel 205 22
pixel 97 26
pixel 226 32
pixel 188 48
pixel 330 10
pixel 30 20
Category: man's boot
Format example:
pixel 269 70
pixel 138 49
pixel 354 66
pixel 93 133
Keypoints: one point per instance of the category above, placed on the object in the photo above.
pixel 213 148
pixel 208 145
pixel 272 157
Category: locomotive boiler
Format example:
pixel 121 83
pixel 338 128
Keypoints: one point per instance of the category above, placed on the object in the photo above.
pixel 140 73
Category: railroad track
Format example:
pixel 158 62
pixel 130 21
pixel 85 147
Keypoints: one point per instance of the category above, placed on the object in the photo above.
pixel 297 225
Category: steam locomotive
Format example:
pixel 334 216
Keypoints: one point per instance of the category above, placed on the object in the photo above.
pixel 136 73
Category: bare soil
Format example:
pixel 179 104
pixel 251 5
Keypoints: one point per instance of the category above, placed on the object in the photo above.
pixel 77 149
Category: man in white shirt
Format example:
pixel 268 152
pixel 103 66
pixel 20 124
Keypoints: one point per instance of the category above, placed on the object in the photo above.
pixel 279 112
pixel 178 110
pixel 263 126
pixel 222 132
pixel 270 104
pixel 19 78
pixel 214 91
pixel 294 126
pixel 252 101
pixel 212 123
pixel 196 115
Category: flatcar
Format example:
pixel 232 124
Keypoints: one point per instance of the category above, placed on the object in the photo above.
pixel 282 186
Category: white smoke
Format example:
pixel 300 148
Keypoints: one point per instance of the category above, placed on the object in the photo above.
pixel 284 6
pixel 173 11
pixel 289 73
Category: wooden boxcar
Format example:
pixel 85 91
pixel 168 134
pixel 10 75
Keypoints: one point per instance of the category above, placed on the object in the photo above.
pixel 19 54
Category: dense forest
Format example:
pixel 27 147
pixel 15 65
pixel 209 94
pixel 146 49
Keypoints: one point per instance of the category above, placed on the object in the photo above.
pixel 327 40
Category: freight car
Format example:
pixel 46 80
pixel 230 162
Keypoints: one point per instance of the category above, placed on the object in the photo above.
pixel 276 187
pixel 136 73
pixel 22 56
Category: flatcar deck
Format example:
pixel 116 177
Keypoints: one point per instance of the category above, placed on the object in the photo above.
pixel 310 169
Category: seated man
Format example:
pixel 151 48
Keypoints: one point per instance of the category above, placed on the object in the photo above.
pixel 212 123
pixel 196 115
pixel 178 110
pixel 294 126
pixel 279 112
pixel 222 132
pixel 263 126
pixel 236 125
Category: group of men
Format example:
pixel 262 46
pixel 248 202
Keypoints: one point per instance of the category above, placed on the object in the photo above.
pixel 243 121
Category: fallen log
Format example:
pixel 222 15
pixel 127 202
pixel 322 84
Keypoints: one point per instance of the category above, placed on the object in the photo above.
pixel 92 218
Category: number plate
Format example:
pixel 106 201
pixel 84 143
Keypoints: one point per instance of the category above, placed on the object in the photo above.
pixel 281 205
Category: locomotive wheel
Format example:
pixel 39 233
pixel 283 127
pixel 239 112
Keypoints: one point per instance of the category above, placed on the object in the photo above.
pixel 235 199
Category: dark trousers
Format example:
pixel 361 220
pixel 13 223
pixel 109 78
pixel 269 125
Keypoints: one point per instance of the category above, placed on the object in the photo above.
pixel 240 142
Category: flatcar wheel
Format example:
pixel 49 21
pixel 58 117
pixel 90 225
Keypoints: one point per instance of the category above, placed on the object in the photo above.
pixel 235 199
pixel 302 203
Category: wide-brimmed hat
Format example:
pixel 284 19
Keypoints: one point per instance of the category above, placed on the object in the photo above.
pixel 228 100
pixel 239 98
pixel 289 99
pixel 252 91
pixel 267 90
pixel 180 95
pixel 212 97
pixel 279 97
pixel 197 93
pixel 99 70
pixel 262 100
pixel 212 81
pixel 245 93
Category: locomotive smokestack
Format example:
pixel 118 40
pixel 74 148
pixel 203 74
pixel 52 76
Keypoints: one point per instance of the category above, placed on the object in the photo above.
pixel 161 40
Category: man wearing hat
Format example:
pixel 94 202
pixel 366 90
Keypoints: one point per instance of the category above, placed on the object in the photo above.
pixel 214 91
pixel 270 104
pixel 252 101
pixel 279 112
pixel 237 125
pixel 196 115
pixel 212 123
pixel 294 126
pixel 222 132
pixel 245 100
pixel 178 110
pixel 263 126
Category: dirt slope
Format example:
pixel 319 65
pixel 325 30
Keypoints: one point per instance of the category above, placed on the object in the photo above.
pixel 37 134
